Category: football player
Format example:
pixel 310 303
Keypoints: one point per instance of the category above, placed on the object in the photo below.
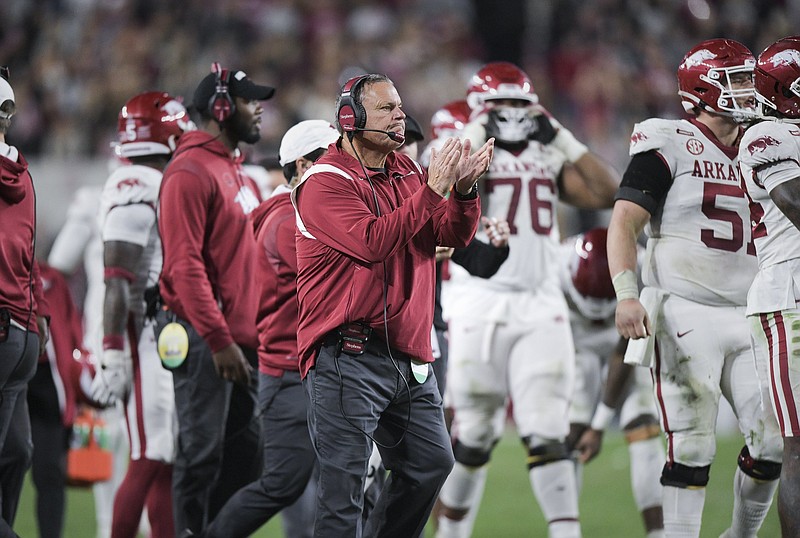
pixel 148 127
pixel 770 160
pixel 684 188
pixel 587 286
pixel 510 334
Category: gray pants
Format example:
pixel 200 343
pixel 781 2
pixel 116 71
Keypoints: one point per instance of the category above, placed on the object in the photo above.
pixel 18 356
pixel 351 398
pixel 288 460
pixel 218 435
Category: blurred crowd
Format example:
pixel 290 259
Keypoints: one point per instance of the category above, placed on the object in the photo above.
pixel 600 65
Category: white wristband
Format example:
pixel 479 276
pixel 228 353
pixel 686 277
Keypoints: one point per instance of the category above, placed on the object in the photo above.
pixel 566 143
pixel 602 417
pixel 626 285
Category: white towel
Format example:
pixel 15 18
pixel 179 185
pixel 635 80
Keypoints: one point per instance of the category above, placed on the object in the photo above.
pixel 640 352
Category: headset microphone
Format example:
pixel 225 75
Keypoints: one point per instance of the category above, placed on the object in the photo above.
pixel 397 137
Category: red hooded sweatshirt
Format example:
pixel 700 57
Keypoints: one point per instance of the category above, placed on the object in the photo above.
pixel 208 277
pixel 346 253
pixel 20 284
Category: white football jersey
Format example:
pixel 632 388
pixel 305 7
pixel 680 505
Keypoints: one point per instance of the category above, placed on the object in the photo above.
pixel 128 214
pixel 770 155
pixel 79 241
pixel 522 189
pixel 699 239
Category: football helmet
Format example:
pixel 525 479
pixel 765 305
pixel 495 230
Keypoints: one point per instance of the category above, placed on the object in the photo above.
pixel 450 119
pixel 589 285
pixel 499 80
pixel 150 124
pixel 777 79
pixel 704 78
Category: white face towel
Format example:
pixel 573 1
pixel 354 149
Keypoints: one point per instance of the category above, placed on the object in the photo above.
pixel 640 352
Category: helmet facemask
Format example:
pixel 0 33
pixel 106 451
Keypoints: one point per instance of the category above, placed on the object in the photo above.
pixel 739 103
pixel 509 124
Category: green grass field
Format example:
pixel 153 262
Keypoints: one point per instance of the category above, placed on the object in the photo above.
pixel 509 509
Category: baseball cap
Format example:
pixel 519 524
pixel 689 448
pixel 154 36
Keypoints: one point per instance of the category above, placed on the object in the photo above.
pixel 6 93
pixel 304 137
pixel 413 130
pixel 239 85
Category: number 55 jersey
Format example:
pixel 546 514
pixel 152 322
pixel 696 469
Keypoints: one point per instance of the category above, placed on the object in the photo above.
pixel 699 237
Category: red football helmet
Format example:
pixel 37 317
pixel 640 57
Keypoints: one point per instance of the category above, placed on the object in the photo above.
pixel 704 78
pixel 150 124
pixel 589 285
pixel 500 80
pixel 450 119
pixel 777 78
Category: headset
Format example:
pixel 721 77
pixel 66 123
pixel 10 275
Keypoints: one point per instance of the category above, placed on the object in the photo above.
pixel 352 116
pixel 221 104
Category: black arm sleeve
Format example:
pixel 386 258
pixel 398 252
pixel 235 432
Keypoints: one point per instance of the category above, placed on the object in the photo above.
pixel 646 181
pixel 480 259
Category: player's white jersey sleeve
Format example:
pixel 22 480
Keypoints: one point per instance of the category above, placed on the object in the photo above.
pixel 699 238
pixel 128 214
pixel 78 230
pixel 770 155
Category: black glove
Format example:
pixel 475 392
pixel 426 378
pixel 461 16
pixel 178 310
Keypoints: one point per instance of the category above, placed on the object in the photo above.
pixel 544 132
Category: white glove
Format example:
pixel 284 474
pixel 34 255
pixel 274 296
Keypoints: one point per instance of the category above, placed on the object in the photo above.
pixel 113 379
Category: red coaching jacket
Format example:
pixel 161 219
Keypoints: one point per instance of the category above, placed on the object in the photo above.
pixel 208 277
pixel 346 252
pixel 274 226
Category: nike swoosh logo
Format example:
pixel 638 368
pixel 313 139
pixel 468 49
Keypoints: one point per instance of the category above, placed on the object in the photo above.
pixel 684 333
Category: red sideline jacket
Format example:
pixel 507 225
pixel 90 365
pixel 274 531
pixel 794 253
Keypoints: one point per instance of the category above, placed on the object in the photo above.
pixel 66 335
pixel 274 226
pixel 208 277
pixel 345 252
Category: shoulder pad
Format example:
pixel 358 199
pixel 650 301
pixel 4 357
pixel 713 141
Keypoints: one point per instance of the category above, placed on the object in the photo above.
pixel 767 142
pixel 132 185
pixel 652 134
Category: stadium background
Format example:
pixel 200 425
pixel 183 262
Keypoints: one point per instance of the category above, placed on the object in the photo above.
pixel 598 65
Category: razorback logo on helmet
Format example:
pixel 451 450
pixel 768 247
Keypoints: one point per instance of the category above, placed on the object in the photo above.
pixel 637 137
pixel 786 57
pixel 760 144
pixel 698 57
pixel 129 182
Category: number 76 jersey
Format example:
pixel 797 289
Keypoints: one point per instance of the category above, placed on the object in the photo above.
pixel 699 243
pixel 521 187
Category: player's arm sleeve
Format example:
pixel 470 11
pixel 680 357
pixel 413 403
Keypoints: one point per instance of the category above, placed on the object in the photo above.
pixel 81 224
pixel 129 224
pixel 646 181
pixel 480 259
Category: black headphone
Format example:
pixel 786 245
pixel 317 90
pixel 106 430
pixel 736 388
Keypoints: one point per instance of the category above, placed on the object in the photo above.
pixel 221 105
pixel 351 115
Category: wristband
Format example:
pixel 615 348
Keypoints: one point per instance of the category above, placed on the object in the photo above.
pixel 571 147
pixel 602 417
pixel 113 341
pixel 626 285
pixel 471 195
pixel 118 272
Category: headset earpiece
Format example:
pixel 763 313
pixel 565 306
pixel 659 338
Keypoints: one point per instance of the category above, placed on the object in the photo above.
pixel 221 105
pixel 351 115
